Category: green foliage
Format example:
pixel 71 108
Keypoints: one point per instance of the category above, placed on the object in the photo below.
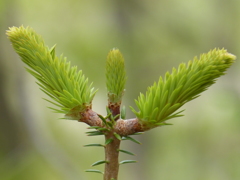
pixel 126 152
pixel 67 87
pixel 99 162
pixel 108 120
pixel 131 139
pixel 127 161
pixel 91 145
pixel 94 170
pixel 115 76
pixel 94 133
pixel 184 84
pixel 70 91
pixel 108 141
pixel 123 112
pixel 117 136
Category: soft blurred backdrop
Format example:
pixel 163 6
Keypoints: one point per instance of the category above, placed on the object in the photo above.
pixel 153 36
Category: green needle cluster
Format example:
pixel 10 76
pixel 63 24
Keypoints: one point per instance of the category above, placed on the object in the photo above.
pixel 184 84
pixel 67 87
pixel 115 76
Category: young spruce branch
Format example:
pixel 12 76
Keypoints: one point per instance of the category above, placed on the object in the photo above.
pixel 184 84
pixel 71 93
pixel 67 87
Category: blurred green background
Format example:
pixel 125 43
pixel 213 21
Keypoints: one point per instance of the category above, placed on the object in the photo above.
pixel 153 36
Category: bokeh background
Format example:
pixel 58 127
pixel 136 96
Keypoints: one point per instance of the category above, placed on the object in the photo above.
pixel 153 36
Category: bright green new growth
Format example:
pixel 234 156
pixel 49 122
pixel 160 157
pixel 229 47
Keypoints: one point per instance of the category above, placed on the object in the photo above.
pixel 115 75
pixel 70 91
pixel 64 84
pixel 182 85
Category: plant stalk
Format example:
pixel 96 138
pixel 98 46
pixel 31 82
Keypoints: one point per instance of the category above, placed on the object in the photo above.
pixel 111 156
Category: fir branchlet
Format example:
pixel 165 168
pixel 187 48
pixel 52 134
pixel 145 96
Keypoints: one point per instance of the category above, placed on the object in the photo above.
pixel 67 87
pixel 184 84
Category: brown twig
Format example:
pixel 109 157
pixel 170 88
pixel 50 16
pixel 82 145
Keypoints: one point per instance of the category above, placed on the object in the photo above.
pixel 122 128
pixel 111 157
